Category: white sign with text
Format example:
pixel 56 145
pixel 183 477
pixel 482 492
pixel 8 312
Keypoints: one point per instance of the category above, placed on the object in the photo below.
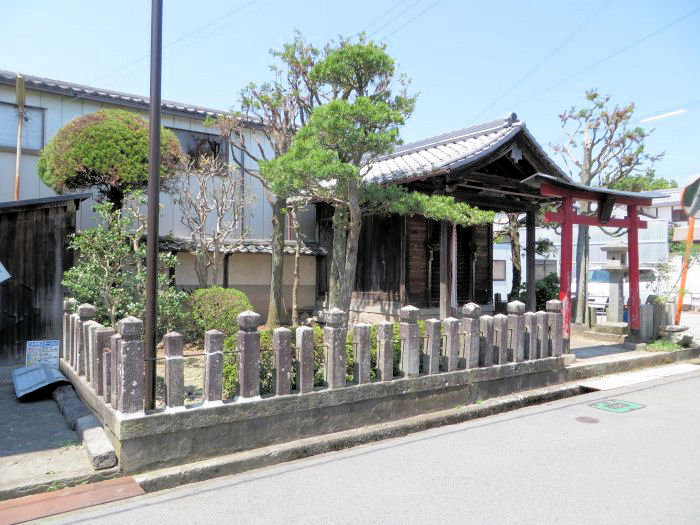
pixel 43 352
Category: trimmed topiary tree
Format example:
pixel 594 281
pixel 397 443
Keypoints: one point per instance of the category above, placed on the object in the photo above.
pixel 108 150
pixel 217 308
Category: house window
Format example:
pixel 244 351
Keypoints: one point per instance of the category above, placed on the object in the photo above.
pixel 197 144
pixel 544 267
pixel 499 270
pixel 32 127
pixel 678 215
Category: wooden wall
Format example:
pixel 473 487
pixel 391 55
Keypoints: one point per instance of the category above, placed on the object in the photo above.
pixel 33 248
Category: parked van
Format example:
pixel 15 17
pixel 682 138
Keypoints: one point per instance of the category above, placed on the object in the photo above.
pixel 599 286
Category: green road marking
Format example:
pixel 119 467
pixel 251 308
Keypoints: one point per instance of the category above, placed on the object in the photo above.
pixel 615 405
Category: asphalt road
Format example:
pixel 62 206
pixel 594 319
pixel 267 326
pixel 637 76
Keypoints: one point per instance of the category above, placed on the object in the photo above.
pixel 534 465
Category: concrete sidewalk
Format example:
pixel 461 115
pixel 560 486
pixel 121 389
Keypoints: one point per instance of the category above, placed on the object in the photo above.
pixel 38 451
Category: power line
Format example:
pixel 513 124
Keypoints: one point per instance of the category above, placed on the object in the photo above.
pixel 397 4
pixel 393 19
pixel 170 44
pixel 411 20
pixel 613 55
pixel 553 52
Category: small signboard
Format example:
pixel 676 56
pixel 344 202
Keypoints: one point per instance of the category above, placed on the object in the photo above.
pixel 4 274
pixel 43 353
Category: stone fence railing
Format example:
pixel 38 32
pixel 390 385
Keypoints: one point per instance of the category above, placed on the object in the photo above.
pixel 112 362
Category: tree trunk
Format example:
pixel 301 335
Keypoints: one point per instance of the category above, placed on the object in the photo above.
pixel 582 252
pixel 340 234
pixel 353 241
pixel 200 268
pixel 274 311
pixel 514 233
pixel 295 284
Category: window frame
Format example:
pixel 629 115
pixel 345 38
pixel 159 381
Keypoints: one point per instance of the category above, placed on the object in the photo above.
pixel 226 145
pixel 505 270
pixel 29 151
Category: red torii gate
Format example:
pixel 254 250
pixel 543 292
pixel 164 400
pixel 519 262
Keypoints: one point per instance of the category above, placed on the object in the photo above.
pixel 568 192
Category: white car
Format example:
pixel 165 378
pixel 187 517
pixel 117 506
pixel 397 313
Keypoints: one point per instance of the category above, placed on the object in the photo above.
pixel 599 286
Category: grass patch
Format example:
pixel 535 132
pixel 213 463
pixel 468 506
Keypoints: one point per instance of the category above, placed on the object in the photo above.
pixel 663 345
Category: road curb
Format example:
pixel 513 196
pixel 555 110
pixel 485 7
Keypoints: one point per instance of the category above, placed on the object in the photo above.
pixel 237 463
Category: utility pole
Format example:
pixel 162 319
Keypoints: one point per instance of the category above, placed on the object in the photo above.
pixel 153 204
pixel 20 121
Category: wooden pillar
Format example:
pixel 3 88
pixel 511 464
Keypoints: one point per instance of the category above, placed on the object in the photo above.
pixel 530 261
pixel 633 255
pixel 567 222
pixel 445 287
pixel 402 263
pixel 226 258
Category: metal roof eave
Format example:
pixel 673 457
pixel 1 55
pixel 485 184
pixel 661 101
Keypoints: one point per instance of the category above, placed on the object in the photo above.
pixel 537 179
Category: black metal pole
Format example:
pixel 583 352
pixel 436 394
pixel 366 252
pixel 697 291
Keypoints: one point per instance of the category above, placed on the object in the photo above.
pixel 153 204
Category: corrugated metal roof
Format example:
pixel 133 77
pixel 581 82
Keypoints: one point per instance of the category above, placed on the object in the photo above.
pixel 72 89
pixel 28 379
pixel 454 150
pixel 246 246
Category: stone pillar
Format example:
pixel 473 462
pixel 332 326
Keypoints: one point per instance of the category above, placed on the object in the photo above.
pixel 470 331
pixel 68 309
pixel 334 338
pixel 91 329
pixel 100 342
pixel 305 359
pixel 282 375
pixel 531 335
pixel 132 365
pixel 500 327
pixel 431 352
pixel 86 312
pixel 486 340
pixel 451 326
pixel 74 320
pixel 107 375
pixel 362 359
pixel 410 341
pixel 248 340
pixel 174 370
pixel 556 321
pixel 213 365
pixel 542 334
pixel 114 371
pixel 516 326
pixel 385 351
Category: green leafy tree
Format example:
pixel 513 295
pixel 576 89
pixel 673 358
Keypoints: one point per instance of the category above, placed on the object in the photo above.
pixel 365 104
pixel 108 150
pixel 603 150
pixel 110 271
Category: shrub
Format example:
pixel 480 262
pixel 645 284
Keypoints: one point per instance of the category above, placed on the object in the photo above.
pixel 545 289
pixel 217 308
pixel 107 149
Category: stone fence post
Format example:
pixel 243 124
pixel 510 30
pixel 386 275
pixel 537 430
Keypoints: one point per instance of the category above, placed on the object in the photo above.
pixel 556 326
pixel 531 335
pixel 132 365
pixel 100 341
pixel 213 364
pixel 174 370
pixel 362 359
pixel 410 341
pixel 470 333
pixel 86 312
pixel 73 339
pixel 542 334
pixel 500 327
pixel 282 375
pixel 451 326
pixel 516 326
pixel 115 368
pixel 248 342
pixel 431 352
pixel 107 374
pixel 90 357
pixel 334 338
pixel 305 358
pixel 486 340
pixel 385 351
pixel 68 309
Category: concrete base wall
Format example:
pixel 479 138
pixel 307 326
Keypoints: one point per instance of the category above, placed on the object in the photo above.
pixel 173 437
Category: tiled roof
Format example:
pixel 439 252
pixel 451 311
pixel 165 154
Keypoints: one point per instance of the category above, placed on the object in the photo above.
pixel 454 150
pixel 71 89
pixel 246 246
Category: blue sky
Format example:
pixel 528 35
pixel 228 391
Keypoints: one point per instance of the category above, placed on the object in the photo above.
pixel 461 55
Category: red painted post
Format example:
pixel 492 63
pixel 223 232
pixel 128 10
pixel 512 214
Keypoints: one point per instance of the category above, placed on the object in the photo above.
pixel 567 216
pixel 633 254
